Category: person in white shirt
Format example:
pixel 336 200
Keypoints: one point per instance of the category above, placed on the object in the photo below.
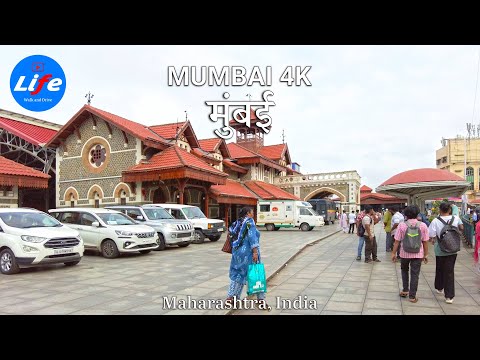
pixel 445 262
pixel 351 221
pixel 397 218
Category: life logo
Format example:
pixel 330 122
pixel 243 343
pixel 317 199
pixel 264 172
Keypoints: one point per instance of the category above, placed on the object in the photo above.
pixel 38 83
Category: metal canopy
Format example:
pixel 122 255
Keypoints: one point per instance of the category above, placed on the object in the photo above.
pixel 416 193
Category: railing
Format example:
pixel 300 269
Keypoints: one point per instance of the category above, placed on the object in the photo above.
pixel 468 230
pixel 321 177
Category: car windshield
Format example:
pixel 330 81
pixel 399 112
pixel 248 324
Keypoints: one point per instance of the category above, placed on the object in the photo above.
pixel 116 219
pixel 157 214
pixel 193 213
pixel 24 220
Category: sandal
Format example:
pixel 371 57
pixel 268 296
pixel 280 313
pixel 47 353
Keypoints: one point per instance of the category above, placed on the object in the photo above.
pixel 414 300
pixel 403 293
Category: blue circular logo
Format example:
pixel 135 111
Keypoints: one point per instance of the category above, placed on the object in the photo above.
pixel 38 83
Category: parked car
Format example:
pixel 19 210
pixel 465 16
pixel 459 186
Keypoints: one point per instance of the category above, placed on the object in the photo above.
pixel 108 231
pixel 29 237
pixel 204 227
pixel 170 231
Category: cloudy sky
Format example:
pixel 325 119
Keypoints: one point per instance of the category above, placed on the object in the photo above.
pixel 379 110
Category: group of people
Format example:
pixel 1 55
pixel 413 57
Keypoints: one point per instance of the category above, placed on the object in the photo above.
pixel 246 247
pixel 397 225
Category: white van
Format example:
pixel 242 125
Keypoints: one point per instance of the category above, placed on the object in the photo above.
pixel 108 231
pixel 204 227
pixel 29 237
pixel 276 214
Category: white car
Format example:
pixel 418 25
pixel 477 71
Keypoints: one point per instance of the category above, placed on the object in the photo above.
pixel 204 227
pixel 30 237
pixel 108 231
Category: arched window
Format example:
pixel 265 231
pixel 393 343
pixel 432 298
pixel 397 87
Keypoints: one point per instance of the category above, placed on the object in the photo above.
pixel 469 176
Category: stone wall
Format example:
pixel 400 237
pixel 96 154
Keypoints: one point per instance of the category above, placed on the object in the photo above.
pixel 77 171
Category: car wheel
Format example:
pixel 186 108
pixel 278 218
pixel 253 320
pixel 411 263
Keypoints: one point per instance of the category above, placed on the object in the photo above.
pixel 184 244
pixel 72 263
pixel 161 242
pixel 8 263
pixel 199 237
pixel 304 227
pixel 214 238
pixel 144 251
pixel 109 249
pixel 270 227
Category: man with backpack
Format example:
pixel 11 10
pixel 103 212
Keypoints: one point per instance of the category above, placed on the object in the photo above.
pixel 412 237
pixel 445 233
pixel 368 222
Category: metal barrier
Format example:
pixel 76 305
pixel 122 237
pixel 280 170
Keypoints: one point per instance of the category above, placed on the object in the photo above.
pixel 468 230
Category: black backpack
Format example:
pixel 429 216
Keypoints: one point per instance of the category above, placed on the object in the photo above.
pixel 449 238
pixel 412 242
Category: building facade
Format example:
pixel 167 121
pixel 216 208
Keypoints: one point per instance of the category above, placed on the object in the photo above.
pixel 462 157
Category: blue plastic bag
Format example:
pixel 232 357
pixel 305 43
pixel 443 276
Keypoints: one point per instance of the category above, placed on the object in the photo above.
pixel 256 279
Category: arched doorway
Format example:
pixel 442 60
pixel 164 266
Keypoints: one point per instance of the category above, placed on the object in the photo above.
pixel 159 197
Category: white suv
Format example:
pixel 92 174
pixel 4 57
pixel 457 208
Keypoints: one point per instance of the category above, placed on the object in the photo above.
pixel 29 237
pixel 204 227
pixel 108 231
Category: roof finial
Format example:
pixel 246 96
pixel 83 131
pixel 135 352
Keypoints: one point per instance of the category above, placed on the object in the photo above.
pixel 283 136
pixel 186 115
pixel 89 97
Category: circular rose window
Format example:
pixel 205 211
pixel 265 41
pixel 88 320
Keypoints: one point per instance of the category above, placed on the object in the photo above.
pixel 98 155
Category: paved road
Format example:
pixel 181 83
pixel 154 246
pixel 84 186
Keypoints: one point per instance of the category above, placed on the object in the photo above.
pixel 136 284
pixel 329 274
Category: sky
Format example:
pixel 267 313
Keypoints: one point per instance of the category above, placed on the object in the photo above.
pixel 379 110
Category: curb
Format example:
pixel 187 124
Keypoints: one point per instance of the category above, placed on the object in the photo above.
pixel 277 271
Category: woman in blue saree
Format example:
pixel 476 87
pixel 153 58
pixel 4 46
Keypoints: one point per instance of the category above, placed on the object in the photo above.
pixel 245 251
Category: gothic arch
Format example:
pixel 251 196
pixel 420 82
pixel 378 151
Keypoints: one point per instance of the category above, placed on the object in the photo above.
pixel 71 191
pixel 326 189
pixel 118 189
pixel 95 189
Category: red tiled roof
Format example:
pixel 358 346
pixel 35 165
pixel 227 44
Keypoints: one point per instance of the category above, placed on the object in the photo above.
pixel 268 191
pixel 168 131
pixel 365 188
pixel 234 167
pixel 203 154
pixel 232 188
pixel 380 197
pixel 210 145
pixel 34 134
pixel 238 151
pixel 422 175
pixel 273 152
pixel 15 174
pixel 133 127
pixel 10 167
pixel 175 157
pixel 138 130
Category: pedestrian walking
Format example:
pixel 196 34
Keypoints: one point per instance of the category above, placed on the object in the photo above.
pixel 351 221
pixel 245 251
pixel 368 223
pixel 416 233
pixel 397 218
pixel 361 239
pixel 387 226
pixel 445 262
pixel 344 221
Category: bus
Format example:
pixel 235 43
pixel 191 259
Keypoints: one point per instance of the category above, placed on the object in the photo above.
pixel 325 208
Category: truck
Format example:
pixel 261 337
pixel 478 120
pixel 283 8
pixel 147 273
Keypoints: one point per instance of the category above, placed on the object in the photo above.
pixel 276 214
